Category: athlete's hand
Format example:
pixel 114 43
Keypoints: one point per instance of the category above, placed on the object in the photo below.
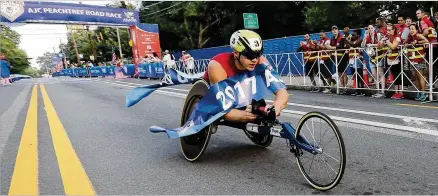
pixel 277 109
pixel 247 116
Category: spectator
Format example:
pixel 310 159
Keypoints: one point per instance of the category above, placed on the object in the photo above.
pixel 408 21
pixel 337 42
pixel 403 32
pixel 168 60
pixel 402 29
pixel 309 59
pixel 5 70
pixel 376 59
pixel 188 62
pixel 325 66
pixel 155 57
pixel 347 34
pixel 436 21
pixel 427 28
pixel 355 62
pixel 393 60
pixel 381 28
pixel 416 57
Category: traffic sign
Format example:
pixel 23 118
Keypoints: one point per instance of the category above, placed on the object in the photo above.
pixel 250 21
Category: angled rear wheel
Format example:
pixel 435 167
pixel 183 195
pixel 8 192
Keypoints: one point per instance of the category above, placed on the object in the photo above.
pixel 193 146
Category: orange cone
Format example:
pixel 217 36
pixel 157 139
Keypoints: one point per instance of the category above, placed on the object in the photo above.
pixel 390 78
pixel 353 82
pixel 365 76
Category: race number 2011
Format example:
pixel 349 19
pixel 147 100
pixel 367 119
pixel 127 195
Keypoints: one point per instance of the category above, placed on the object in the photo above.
pixel 228 96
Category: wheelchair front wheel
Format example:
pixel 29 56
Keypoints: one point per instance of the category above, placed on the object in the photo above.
pixel 330 156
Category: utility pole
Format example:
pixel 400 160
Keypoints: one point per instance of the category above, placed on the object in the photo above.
pixel 93 48
pixel 76 47
pixel 120 45
pixel 63 53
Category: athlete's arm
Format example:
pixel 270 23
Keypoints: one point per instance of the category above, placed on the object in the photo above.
pixel 280 102
pixel 216 74
pixel 281 96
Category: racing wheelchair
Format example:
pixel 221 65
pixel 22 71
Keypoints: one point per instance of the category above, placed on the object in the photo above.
pixel 305 147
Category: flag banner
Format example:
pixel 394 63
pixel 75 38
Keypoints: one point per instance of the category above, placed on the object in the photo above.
pixel 235 92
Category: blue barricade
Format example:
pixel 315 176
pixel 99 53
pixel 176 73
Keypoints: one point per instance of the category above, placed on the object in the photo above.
pixel 142 70
pixel 68 72
pixel 129 70
pixel 103 70
pixel 75 72
pixel 159 70
pixel 95 71
pixel 151 70
pixel 152 73
pixel 110 71
pixel 82 72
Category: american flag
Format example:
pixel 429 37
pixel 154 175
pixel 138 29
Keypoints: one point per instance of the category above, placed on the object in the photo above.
pixel 114 57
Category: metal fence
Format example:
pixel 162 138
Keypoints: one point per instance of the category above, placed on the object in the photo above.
pixel 328 67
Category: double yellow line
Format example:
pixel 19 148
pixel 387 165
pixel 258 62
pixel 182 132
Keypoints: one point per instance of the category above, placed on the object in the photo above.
pixel 25 175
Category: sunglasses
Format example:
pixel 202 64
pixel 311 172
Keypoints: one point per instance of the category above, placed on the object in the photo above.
pixel 252 55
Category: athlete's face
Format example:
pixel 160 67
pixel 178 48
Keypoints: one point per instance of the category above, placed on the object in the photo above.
pixel 248 61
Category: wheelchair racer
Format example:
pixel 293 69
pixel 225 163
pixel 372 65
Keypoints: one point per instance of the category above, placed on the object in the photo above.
pixel 247 54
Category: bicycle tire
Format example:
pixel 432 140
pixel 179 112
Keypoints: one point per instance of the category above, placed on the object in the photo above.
pixel 340 141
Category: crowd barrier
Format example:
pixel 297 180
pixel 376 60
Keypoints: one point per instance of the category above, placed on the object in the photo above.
pixel 292 65
pixel 149 70
pixel 16 77
pixel 326 66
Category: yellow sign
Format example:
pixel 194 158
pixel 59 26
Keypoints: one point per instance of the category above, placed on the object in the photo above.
pixel 75 27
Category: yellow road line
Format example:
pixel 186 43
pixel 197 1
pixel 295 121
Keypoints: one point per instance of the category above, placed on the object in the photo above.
pixel 420 106
pixel 25 176
pixel 73 175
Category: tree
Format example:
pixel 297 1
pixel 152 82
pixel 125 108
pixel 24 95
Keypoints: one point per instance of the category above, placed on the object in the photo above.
pixel 104 48
pixel 45 61
pixel 357 14
pixel 9 41
pixel 191 25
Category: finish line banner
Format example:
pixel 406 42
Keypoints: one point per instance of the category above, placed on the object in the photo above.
pixel 54 12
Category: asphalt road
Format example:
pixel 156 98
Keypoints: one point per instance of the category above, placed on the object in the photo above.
pixel 83 127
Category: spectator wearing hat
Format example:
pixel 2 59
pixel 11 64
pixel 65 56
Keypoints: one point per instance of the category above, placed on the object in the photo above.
pixel 168 60
pixel 338 43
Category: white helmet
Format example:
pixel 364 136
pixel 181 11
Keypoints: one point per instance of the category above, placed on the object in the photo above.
pixel 246 42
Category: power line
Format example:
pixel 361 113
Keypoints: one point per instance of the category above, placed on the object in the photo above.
pixel 163 9
pixel 161 14
pixel 153 4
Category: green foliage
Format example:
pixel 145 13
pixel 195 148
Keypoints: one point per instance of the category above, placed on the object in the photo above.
pixel 45 61
pixel 33 72
pixel 187 25
pixel 200 24
pixel 9 45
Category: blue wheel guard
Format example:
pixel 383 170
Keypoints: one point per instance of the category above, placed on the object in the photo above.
pixel 235 92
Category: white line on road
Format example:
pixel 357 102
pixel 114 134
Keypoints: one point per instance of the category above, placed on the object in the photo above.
pixel 137 84
pixel 336 118
pixel 372 123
